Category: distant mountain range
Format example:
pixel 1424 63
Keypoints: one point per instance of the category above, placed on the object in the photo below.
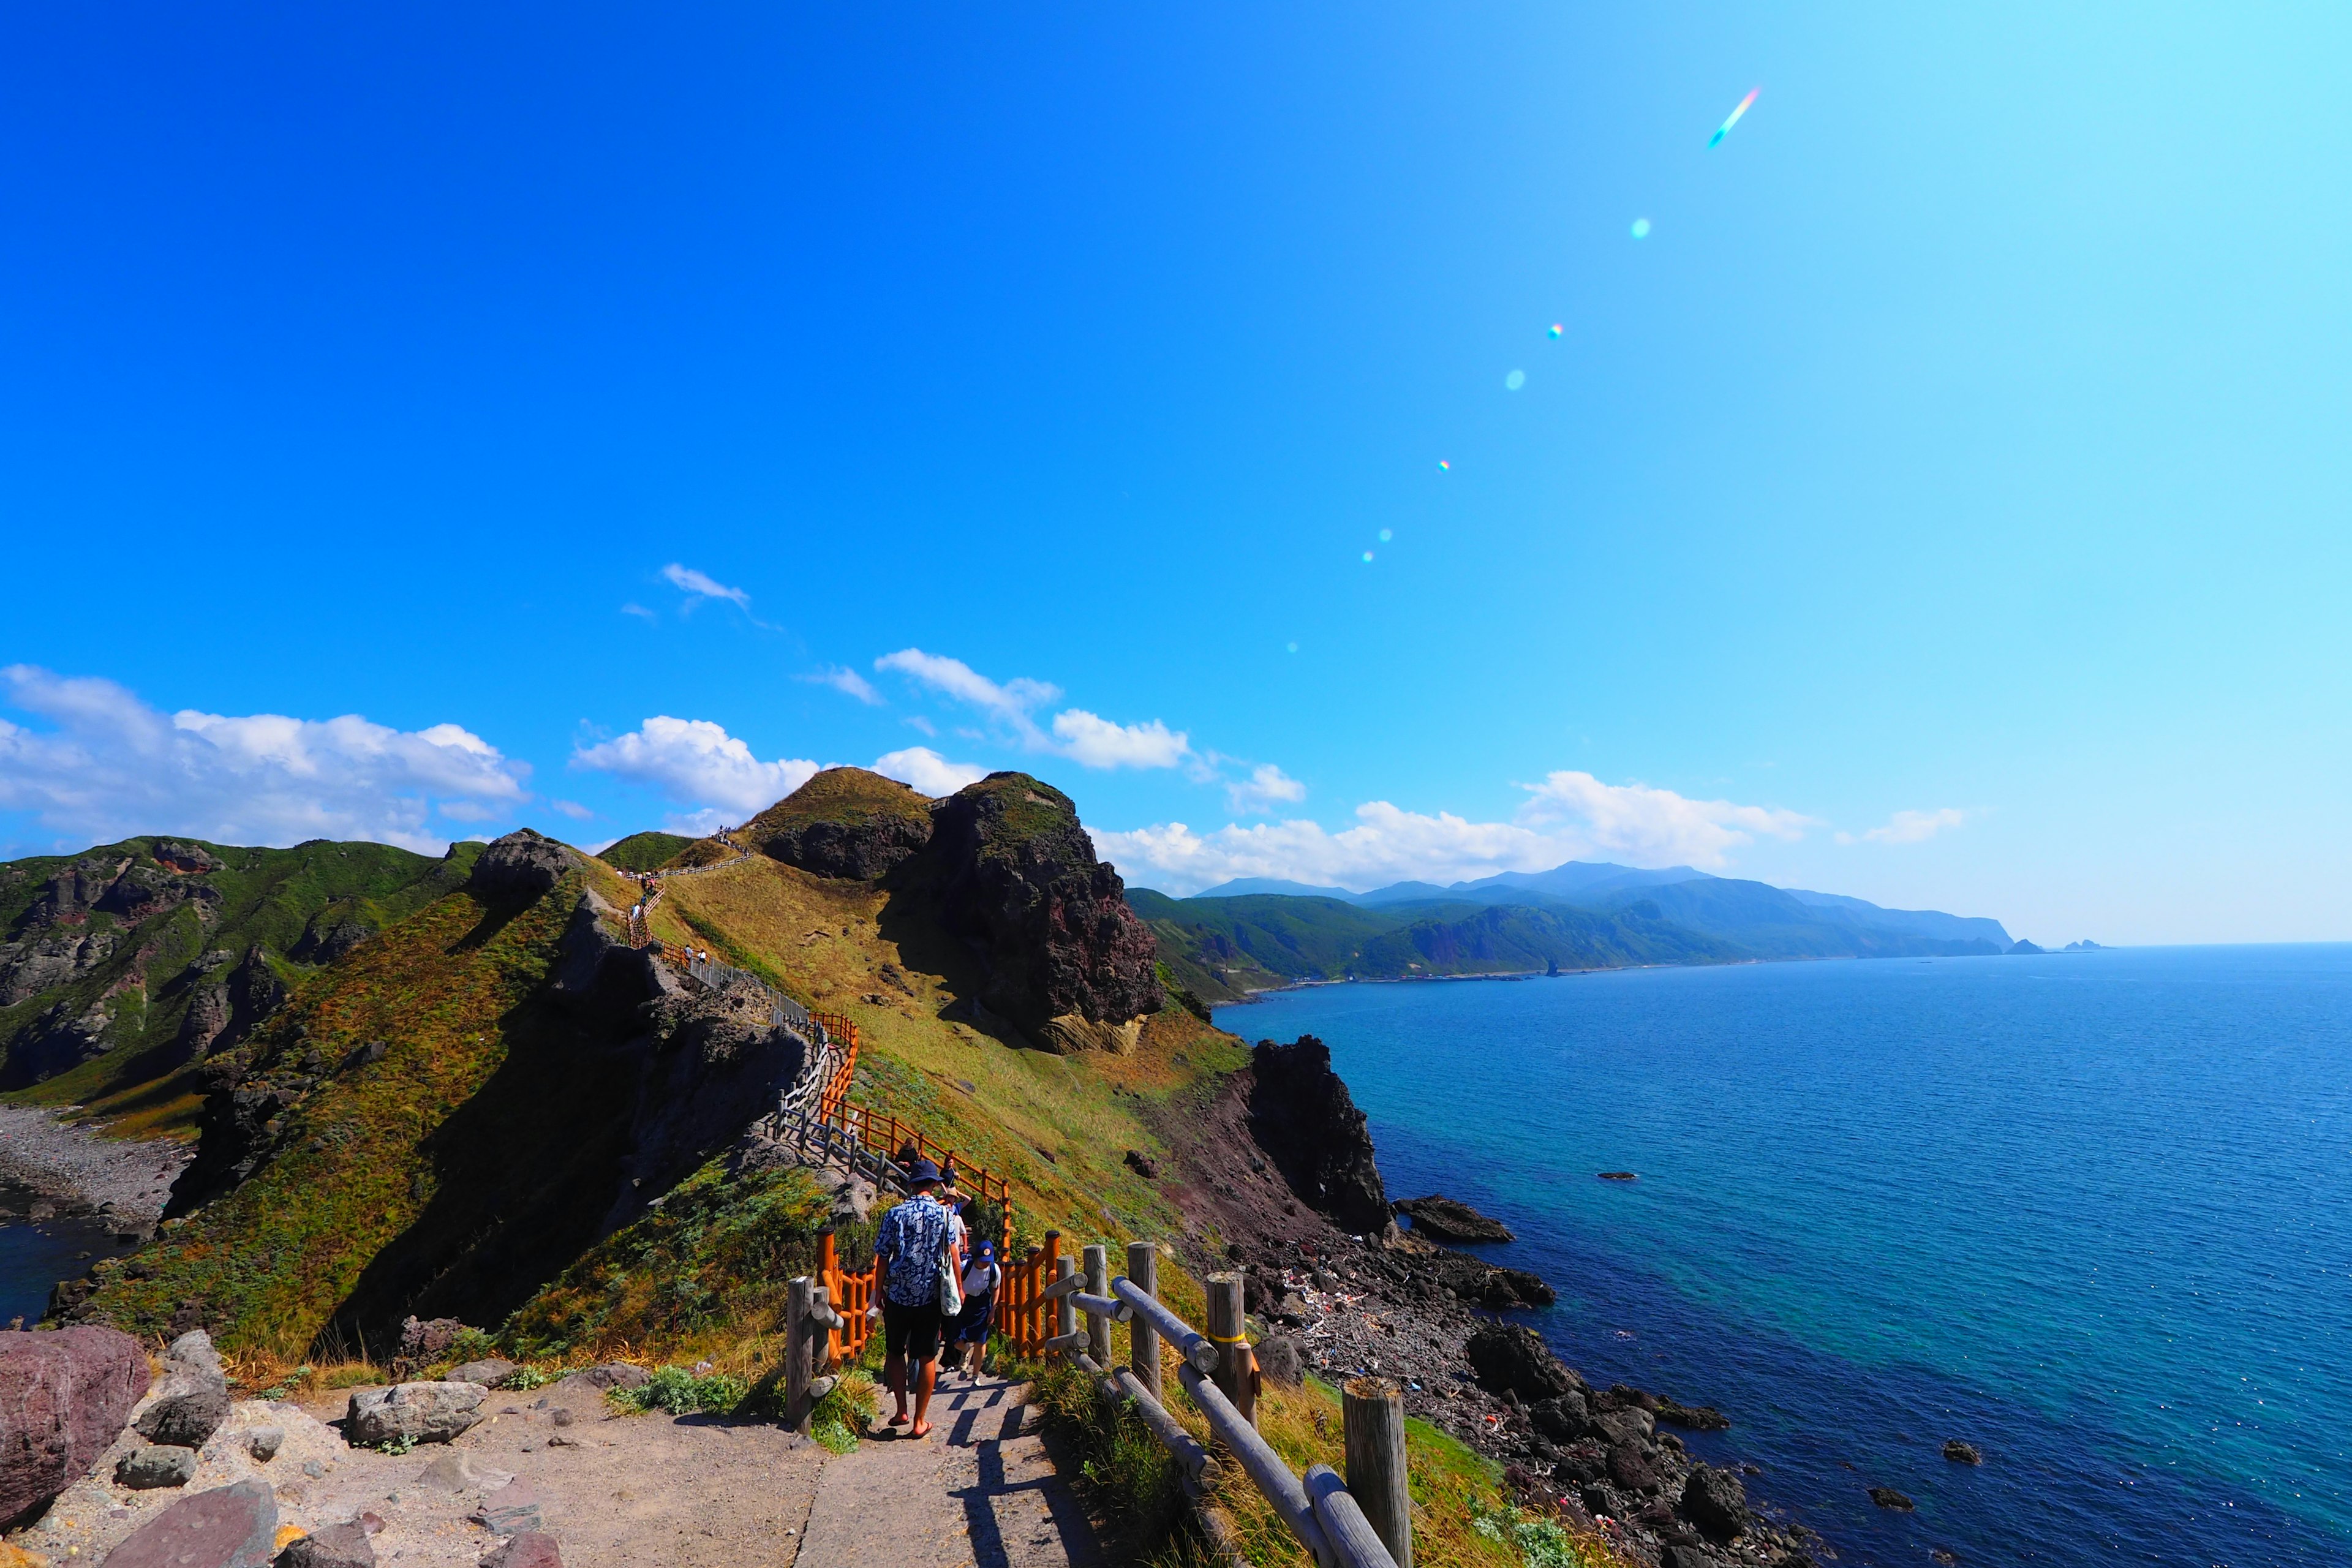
pixel 1256 931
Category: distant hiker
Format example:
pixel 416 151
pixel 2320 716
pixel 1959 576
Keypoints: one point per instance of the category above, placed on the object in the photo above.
pixel 907 1251
pixel 981 1279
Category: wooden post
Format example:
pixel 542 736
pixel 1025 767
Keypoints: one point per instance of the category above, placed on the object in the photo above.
pixel 1236 1367
pixel 799 1331
pixel 1066 1311
pixel 1098 1284
pixel 1372 1410
pixel 1143 1341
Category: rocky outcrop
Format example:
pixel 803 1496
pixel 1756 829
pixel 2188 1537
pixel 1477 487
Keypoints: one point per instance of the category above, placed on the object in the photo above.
pixel 1887 1497
pixel 1962 1453
pixel 414 1413
pixel 1449 1220
pixel 844 822
pixel 1511 1358
pixel 1714 1500
pixel 1014 876
pixel 522 865
pixel 1302 1115
pixel 64 1396
pixel 231 1527
pixel 192 1400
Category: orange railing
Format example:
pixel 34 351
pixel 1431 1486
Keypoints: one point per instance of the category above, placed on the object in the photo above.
pixel 832 1101
pixel 1023 1320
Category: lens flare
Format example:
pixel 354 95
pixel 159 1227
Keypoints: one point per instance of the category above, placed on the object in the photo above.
pixel 1444 467
pixel 1724 130
pixel 1516 380
pixel 1368 558
pixel 1294 647
pixel 1641 228
pixel 1553 330
pixel 1386 536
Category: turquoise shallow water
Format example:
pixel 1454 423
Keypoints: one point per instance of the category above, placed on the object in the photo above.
pixel 2089 1212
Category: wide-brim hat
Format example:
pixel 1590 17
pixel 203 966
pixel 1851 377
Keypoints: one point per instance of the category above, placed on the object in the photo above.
pixel 922 1170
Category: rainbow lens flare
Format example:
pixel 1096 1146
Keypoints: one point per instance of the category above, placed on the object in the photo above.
pixel 1724 130
pixel 1516 380
pixel 1368 558
pixel 1553 330
pixel 1641 228
pixel 1444 467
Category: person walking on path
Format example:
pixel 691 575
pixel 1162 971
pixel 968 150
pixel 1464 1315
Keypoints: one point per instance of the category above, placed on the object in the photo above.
pixel 908 1249
pixel 981 1279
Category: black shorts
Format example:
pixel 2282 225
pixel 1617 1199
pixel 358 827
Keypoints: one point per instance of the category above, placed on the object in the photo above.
pixel 911 1331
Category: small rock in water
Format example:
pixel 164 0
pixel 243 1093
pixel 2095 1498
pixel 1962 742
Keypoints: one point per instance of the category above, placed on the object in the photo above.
pixel 1961 1453
pixel 1887 1497
pixel 1618 1176
pixel 1448 1219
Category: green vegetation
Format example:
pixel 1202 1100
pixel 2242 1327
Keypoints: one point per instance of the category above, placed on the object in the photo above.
pixel 682 1392
pixel 646 851
pixel 848 796
pixel 175 933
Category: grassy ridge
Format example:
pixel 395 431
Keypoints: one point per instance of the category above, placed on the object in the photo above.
pixel 647 851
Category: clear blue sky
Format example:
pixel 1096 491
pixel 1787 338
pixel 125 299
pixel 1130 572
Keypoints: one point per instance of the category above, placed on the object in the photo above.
pixel 1968 439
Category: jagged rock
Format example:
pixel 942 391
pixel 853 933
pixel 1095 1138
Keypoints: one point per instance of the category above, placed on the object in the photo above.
pixel 64 1396
pixel 330 1546
pixel 1629 1471
pixel 328 938
pixel 1505 1289
pixel 1560 1417
pixel 418 1412
pixel 1887 1497
pixel 1714 1500
pixel 179 855
pixel 522 865
pixel 426 1339
pixel 1302 1115
pixel 1282 1360
pixel 1142 1164
pixel 263 1443
pixel 1445 1219
pixel 1012 873
pixel 1961 1453
pixel 1626 1425
pixel 1512 1358
pixel 489 1371
pixel 532 1549
pixel 157 1465
pixel 230 1527
pixel 192 1400
pixel 844 822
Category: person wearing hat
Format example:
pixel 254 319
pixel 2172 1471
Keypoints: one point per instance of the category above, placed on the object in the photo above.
pixel 981 1279
pixel 908 1249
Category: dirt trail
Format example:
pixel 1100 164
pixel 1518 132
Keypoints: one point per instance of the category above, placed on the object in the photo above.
pixel 980 1492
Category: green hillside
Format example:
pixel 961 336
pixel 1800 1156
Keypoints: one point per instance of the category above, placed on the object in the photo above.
pixel 1510 939
pixel 643 851
pixel 126 963
pixel 1769 922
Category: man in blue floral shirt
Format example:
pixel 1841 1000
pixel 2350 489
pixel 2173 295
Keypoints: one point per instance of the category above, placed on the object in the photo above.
pixel 907 1251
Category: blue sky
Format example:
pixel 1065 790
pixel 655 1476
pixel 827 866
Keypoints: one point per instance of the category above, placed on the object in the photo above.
pixel 1945 502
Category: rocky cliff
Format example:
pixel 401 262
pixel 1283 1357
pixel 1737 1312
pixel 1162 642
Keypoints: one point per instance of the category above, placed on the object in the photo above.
pixel 1302 1115
pixel 844 822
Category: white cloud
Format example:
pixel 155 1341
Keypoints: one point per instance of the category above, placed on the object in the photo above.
pixel 850 682
pixel 112 766
pixel 694 762
pixel 1083 737
pixel 572 809
pixel 703 586
pixel 926 771
pixel 1569 816
pixel 639 611
pixel 1267 787
pixel 1095 742
pixel 1647 826
pixel 1909 827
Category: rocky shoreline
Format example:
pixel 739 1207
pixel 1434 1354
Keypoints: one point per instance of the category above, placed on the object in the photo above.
pixel 51 1167
pixel 1286 1193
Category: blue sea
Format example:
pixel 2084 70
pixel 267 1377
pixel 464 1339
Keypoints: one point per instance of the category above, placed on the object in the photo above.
pixel 2091 1213
pixel 32 1258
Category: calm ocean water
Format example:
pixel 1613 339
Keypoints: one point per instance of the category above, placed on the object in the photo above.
pixel 2091 1213
pixel 34 1257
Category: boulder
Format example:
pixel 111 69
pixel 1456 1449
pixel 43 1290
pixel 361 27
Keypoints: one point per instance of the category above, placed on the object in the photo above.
pixel 1142 1164
pixel 1887 1497
pixel 417 1411
pixel 1961 1453
pixel 1282 1360
pixel 157 1465
pixel 1445 1219
pixel 192 1400
pixel 1714 1500
pixel 1682 1554
pixel 64 1396
pixel 607 1374
pixel 1504 1290
pixel 1627 1424
pixel 522 865
pixel 1561 1417
pixel 333 1546
pixel 489 1371
pixel 1630 1471
pixel 1302 1115
pixel 1696 1417
pixel 532 1549
pixel 230 1527
pixel 1512 1358
pixel 512 1509
pixel 263 1443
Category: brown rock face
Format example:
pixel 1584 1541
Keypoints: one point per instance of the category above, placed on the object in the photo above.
pixel 846 822
pixel 64 1396
pixel 1302 1115
pixel 1016 877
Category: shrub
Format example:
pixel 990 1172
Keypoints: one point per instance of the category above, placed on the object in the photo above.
pixel 680 1393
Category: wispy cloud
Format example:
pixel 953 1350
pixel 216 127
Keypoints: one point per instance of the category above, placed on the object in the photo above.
pixel 849 682
pixel 572 809
pixel 1569 816
pixel 694 762
pixel 110 766
pixel 639 611
pixel 1908 828
pixel 701 585
pixel 1085 738
pixel 1267 787
pixel 926 771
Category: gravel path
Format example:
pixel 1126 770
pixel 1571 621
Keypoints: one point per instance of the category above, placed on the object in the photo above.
pixel 980 1492
pixel 75 1169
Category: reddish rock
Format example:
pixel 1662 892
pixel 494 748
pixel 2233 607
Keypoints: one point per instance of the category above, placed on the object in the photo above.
pixel 336 1546
pixel 232 1527
pixel 532 1549
pixel 64 1396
